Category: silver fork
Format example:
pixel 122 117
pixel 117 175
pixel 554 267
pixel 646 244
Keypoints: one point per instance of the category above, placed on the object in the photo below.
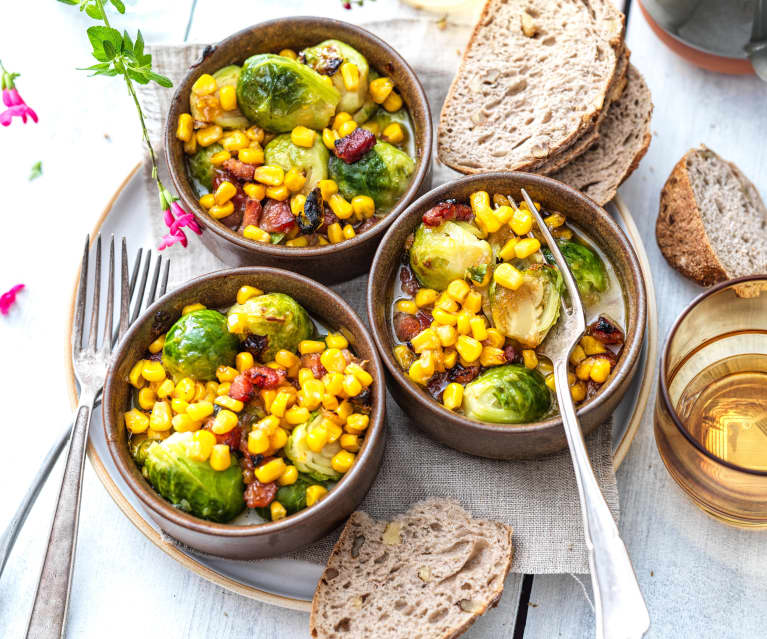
pixel 620 610
pixel 49 611
pixel 10 534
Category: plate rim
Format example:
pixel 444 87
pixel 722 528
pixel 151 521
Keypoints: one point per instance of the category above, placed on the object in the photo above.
pixel 621 450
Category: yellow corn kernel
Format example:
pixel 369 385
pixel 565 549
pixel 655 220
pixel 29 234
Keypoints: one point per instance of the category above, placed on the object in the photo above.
pixel 529 358
pixel 204 85
pixel 329 137
pixel 495 338
pixel 223 389
pixel 600 370
pixel 329 401
pixel 446 303
pixel 314 493
pixel 277 511
pixel 349 232
pixel 235 141
pixel 317 437
pixel 218 212
pixel 503 214
pixel 555 220
pixel 207 200
pixel 487 221
pixel 363 206
pixel 351 385
pixel 335 233
pixel 443 317
pixel 333 382
pixel 449 357
pixel 333 360
pixel 521 222
pixel 269 175
pixel 550 382
pixel 458 290
pixel 364 378
pixel 327 188
pixel 577 355
pixel 393 133
pixel 256 234
pixel 296 415
pixel 305 375
pixel 340 206
pixel 258 441
pixel 302 136
pixel 269 424
pixel 422 369
pixel 526 247
pixel 279 193
pixel 251 156
pixel 508 276
pixel 336 340
pixel 165 389
pixel 393 102
pixel 426 340
pixel 161 416
pixel 350 442
pixel 334 431
pixel 178 405
pixel 380 89
pixel 591 346
pixel 146 398
pixel 199 392
pixel 289 53
pixel 220 458
pixel 225 192
pixel 426 297
pixel 227 96
pixel 219 158
pixel 583 370
pixel 226 373
pixel 280 403
pixel 452 396
pixel 182 423
pixel 508 252
pixel 184 130
pixel 404 356
pixel 492 356
pixel 136 421
pixel 479 201
pixel 346 128
pixel 578 392
pixel 310 346
pixel 244 361
pixel 198 411
pixel 234 405
pixel 225 421
pixel 190 147
pixel 289 476
pixel 255 134
pixel 357 423
pixel 351 76
pixel 209 135
pixel 473 302
pixel 270 471
pixel 203 442
pixel 468 348
pixel 478 328
pixel 342 461
pixel 157 345
pixel 373 127
pixel 462 324
pixel 285 358
pixel 255 191
pixel 278 439
pixel 344 410
pixel 295 180
pixel 313 390
pixel 341 118
pixel 153 371
pixel 562 234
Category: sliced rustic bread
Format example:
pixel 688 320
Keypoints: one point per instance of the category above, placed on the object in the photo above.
pixel 429 573
pixel 535 76
pixel 712 223
pixel 623 140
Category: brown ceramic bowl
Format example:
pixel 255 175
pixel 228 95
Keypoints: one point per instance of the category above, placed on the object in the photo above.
pixel 508 441
pixel 217 290
pixel 335 262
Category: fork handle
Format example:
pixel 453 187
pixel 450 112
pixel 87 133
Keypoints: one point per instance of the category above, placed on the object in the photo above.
pixel 620 609
pixel 49 612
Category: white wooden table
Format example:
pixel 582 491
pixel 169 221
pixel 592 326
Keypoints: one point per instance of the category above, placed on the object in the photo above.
pixel 701 578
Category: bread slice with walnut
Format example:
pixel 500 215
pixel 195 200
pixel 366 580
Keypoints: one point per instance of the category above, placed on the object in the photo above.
pixel 428 573
pixel 712 224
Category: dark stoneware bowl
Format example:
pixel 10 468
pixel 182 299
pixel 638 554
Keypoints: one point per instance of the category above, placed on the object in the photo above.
pixel 512 441
pixel 335 262
pixel 217 290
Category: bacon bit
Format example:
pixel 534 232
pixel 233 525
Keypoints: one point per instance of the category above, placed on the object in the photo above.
pixel 462 374
pixel 447 210
pixel 328 217
pixel 425 319
pixel 8 298
pixel 406 327
pixel 277 217
pixel 511 353
pixel 352 147
pixel 240 170
pixel 264 377
pixel 241 389
pixel 606 331
pixel 252 214
pixel 231 439
pixel 436 384
pixel 258 495
pixel 408 281
pixel 367 224
pixel 313 363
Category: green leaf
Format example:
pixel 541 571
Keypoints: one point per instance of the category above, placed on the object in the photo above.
pixel 137 75
pixel 70 2
pixel 98 35
pixel 94 12
pixel 118 5
pixel 109 49
pixel 127 45
pixel 138 48
pixel 159 79
pixel 36 171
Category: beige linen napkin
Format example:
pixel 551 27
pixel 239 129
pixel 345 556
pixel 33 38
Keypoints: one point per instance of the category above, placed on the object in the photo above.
pixel 538 498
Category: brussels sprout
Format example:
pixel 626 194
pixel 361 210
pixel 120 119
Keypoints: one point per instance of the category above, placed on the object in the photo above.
pixel 450 251
pixel 327 57
pixel 278 94
pixel 316 465
pixel 382 173
pixel 200 165
pixel 197 344
pixel 586 266
pixel 193 486
pixel 509 394
pixel 139 448
pixel 314 161
pixel 528 313
pixel 207 108
pixel 276 316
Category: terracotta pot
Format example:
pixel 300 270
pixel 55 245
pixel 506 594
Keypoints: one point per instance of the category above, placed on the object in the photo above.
pixel 507 441
pixel 218 290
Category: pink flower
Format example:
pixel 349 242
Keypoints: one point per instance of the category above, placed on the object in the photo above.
pixel 175 218
pixel 11 98
pixel 8 298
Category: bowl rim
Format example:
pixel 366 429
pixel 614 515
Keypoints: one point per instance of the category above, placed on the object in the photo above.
pixel 179 177
pixel 375 434
pixel 378 286
pixel 663 394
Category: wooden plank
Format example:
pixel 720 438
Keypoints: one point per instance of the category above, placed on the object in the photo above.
pixel 700 577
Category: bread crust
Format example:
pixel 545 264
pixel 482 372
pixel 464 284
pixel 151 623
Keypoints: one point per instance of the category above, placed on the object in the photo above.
pixel 679 229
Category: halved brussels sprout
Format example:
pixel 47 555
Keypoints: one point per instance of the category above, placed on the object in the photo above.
pixel 316 465
pixel 207 108
pixel 278 94
pixel 276 316
pixel 197 344
pixel 528 313
pixel 139 447
pixel 200 166
pixel 314 161
pixel 509 394
pixel 327 57
pixel 586 266
pixel 382 173
pixel 450 251
pixel 193 486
